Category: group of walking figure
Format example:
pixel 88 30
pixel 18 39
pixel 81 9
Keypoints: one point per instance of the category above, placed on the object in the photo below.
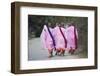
pixel 59 38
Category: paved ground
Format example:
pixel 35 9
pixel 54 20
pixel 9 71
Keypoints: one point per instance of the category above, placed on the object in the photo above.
pixel 36 52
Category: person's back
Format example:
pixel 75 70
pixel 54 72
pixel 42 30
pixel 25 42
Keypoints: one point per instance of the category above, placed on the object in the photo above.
pixel 47 40
pixel 72 36
pixel 59 38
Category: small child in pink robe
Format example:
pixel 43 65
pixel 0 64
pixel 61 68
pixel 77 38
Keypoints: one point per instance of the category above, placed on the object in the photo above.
pixel 59 31
pixel 46 39
pixel 72 37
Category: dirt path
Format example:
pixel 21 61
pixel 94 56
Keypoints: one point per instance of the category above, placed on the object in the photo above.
pixel 36 52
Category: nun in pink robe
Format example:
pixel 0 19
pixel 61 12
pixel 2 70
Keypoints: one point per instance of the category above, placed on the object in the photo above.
pixel 46 39
pixel 59 31
pixel 72 37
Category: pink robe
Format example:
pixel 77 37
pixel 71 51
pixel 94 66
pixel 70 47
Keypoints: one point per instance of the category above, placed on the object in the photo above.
pixel 46 39
pixel 59 40
pixel 72 37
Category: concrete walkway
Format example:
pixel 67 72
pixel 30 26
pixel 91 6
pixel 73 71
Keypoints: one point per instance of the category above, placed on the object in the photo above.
pixel 36 52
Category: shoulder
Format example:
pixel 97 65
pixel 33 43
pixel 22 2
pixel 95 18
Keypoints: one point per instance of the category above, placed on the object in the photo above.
pixel 63 28
pixel 51 29
pixel 55 28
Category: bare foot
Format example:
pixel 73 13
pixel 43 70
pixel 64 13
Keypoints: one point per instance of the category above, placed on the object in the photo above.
pixel 50 56
pixel 72 52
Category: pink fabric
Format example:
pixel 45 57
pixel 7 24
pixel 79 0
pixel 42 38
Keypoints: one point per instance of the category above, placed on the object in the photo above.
pixel 46 38
pixel 60 43
pixel 71 37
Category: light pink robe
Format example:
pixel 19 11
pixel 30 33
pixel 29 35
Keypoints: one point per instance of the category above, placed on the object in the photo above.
pixel 71 37
pixel 59 40
pixel 46 38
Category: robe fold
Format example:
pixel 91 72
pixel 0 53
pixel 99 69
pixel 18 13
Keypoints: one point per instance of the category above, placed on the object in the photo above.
pixel 72 37
pixel 46 38
pixel 59 39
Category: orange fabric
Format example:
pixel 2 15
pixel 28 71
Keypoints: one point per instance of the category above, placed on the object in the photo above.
pixel 60 49
pixel 50 50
